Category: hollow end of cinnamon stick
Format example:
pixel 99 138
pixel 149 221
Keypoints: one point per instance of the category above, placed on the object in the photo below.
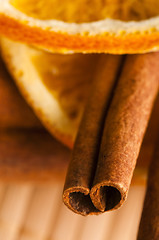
pixel 107 196
pixel 103 197
pixel 78 200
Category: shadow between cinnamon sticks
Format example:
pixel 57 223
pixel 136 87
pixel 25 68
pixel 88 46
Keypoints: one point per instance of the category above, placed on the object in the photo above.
pixel 149 225
pixel 98 180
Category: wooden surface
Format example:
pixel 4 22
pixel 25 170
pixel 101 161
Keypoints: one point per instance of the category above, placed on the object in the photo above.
pixel 36 212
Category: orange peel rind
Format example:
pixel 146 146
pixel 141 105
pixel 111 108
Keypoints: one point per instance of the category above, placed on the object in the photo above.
pixel 108 35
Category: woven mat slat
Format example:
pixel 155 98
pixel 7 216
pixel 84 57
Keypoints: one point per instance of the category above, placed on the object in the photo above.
pixel 12 210
pixel 36 212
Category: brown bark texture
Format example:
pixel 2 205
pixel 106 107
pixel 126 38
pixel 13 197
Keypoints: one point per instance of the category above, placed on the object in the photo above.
pixel 149 225
pixel 105 154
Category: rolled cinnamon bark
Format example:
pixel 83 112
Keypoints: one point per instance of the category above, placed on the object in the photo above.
pixel 85 153
pixel 149 225
pixel 124 130
pixel 147 148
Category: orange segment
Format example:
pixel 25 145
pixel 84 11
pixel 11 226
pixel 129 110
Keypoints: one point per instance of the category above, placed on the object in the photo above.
pixel 67 78
pixel 56 86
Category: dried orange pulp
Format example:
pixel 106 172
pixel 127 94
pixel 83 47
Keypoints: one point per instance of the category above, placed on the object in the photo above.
pixel 79 11
pixel 110 26
pixel 55 85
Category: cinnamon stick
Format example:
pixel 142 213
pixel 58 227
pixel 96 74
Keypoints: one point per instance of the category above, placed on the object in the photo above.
pixel 149 225
pixel 147 148
pixel 85 153
pixel 99 181
pixel 124 130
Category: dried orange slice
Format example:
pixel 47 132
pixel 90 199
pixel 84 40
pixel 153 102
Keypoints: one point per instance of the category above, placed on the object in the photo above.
pixel 55 85
pixel 110 26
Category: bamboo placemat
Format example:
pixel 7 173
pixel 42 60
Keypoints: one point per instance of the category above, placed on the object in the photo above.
pixel 36 212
